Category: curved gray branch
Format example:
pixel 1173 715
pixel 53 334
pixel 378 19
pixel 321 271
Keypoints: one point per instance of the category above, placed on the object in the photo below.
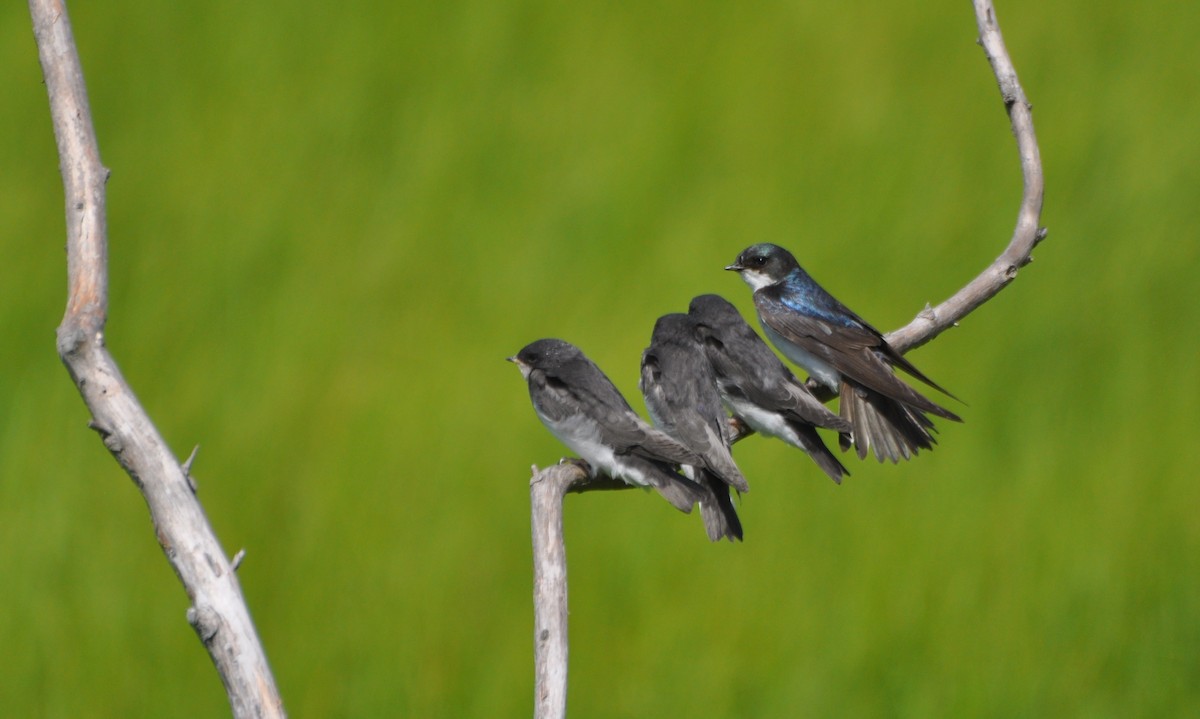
pixel 218 612
pixel 932 321
pixel 550 485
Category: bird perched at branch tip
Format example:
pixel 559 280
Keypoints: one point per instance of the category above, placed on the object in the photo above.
pixel 581 407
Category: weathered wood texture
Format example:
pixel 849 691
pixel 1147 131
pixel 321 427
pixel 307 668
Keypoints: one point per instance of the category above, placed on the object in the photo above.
pixel 218 611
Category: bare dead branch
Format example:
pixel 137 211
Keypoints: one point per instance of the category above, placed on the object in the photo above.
pixel 550 485
pixel 546 492
pixel 932 321
pixel 218 612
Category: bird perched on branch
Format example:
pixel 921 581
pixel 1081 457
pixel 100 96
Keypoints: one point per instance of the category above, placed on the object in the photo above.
pixel 682 398
pixel 842 351
pixel 581 407
pixel 758 388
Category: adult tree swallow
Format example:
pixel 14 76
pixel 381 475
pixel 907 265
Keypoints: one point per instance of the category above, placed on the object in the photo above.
pixel 681 395
pixel 841 351
pixel 758 388
pixel 581 407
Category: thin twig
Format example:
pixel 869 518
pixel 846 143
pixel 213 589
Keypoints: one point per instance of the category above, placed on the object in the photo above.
pixel 218 612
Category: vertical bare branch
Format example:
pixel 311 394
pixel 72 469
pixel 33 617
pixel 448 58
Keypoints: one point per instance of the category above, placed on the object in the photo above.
pixel 546 492
pixel 218 612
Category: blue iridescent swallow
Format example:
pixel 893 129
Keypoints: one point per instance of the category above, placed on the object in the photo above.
pixel 841 351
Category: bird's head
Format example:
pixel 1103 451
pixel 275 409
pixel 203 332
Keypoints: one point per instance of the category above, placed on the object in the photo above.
pixel 763 264
pixel 673 328
pixel 544 354
pixel 712 310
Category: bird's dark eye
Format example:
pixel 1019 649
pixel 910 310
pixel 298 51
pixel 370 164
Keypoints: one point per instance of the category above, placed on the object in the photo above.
pixel 760 261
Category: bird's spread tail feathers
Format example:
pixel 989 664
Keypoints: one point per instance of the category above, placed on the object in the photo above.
pixel 891 429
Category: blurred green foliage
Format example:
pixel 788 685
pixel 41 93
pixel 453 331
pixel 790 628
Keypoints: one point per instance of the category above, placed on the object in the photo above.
pixel 330 222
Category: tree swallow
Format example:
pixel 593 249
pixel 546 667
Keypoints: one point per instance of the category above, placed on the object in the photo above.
pixel 841 351
pixel 581 407
pixel 758 388
pixel 681 395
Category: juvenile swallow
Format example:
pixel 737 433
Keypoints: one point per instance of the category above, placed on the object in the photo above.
pixel 581 407
pixel 758 388
pixel 841 351
pixel 681 396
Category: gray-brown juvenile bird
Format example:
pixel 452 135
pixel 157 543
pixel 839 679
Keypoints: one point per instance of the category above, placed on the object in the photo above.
pixel 681 396
pixel 581 407
pixel 758 388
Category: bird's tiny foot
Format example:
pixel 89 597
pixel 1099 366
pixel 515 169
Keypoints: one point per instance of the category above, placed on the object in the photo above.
pixel 582 464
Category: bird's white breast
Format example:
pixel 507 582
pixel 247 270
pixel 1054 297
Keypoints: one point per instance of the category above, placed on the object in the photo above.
pixel 763 421
pixel 582 436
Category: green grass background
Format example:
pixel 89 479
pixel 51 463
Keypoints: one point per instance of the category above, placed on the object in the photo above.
pixel 330 222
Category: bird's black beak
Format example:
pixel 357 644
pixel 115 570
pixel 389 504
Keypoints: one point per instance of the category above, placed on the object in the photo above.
pixel 735 267
pixel 512 359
